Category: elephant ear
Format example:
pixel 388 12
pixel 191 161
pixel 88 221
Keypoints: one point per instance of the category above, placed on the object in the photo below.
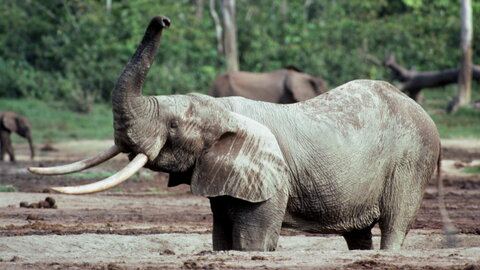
pixel 9 123
pixel 301 86
pixel 245 163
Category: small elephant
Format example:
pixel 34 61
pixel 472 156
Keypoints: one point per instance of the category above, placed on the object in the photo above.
pixel 358 155
pixel 281 86
pixel 12 122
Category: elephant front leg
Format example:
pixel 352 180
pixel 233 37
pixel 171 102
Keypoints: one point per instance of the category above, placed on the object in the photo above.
pixel 242 225
pixel 6 146
pixel 222 225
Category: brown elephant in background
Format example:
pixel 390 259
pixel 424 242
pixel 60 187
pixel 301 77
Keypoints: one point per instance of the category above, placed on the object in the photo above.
pixel 13 122
pixel 282 86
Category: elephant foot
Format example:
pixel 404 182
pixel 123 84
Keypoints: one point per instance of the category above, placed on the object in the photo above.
pixel 359 239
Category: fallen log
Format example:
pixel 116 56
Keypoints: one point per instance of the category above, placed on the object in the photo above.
pixel 412 81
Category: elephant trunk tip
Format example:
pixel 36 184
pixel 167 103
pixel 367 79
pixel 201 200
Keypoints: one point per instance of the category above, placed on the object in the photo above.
pixel 160 22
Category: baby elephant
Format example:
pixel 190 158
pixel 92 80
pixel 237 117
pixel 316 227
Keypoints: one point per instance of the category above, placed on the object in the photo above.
pixel 341 162
pixel 12 122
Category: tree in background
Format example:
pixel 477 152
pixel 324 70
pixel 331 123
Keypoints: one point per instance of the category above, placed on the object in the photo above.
pixel 218 27
pixel 465 74
pixel 227 33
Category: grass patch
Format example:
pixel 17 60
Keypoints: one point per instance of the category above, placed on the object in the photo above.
pixel 473 169
pixel 465 123
pixel 7 188
pixel 52 121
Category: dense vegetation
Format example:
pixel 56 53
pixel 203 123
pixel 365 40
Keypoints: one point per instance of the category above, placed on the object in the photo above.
pixel 74 50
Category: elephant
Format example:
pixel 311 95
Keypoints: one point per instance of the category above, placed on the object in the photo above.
pixel 13 122
pixel 282 86
pixel 339 163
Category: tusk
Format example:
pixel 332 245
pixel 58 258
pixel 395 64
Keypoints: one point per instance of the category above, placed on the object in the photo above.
pixel 79 165
pixel 121 176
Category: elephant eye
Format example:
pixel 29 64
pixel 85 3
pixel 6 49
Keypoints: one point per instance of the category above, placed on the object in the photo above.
pixel 174 124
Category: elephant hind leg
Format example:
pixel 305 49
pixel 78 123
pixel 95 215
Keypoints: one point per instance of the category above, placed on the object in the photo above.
pixel 359 239
pixel 401 201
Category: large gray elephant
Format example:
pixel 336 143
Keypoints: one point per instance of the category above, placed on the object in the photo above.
pixel 281 86
pixel 13 122
pixel 339 163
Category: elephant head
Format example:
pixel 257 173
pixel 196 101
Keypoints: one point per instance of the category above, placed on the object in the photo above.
pixel 12 122
pixel 303 86
pixel 189 136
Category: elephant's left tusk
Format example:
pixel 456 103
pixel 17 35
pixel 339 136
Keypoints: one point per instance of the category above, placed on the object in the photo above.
pixel 79 165
pixel 121 176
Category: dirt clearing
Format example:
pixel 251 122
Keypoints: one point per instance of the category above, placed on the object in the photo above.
pixel 142 224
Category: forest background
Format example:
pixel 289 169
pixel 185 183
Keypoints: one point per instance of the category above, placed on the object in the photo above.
pixel 73 51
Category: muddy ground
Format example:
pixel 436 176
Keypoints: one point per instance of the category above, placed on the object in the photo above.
pixel 142 224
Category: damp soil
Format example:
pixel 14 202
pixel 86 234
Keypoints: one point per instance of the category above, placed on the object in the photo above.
pixel 142 224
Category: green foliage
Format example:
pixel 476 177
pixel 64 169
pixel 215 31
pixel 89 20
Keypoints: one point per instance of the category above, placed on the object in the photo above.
pixel 75 50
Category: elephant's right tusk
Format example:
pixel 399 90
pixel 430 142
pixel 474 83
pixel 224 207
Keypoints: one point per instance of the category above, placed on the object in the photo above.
pixel 121 176
pixel 79 165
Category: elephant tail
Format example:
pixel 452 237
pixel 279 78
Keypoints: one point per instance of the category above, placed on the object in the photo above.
pixel 448 227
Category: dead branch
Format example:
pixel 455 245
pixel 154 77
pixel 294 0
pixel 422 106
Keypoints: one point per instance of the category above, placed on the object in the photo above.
pixel 412 81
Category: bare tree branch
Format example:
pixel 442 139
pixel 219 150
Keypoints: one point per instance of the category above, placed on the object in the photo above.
pixel 414 81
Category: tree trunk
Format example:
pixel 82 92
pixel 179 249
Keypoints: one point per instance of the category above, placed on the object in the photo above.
pixel 218 27
pixel 306 10
pixel 108 5
pixel 199 9
pixel 464 76
pixel 414 81
pixel 230 35
pixel 284 9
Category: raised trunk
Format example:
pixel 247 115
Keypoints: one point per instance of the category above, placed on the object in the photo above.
pixel 129 84
pixel 132 112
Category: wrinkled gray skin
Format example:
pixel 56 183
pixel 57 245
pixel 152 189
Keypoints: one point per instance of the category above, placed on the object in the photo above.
pixel 12 122
pixel 281 86
pixel 339 163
